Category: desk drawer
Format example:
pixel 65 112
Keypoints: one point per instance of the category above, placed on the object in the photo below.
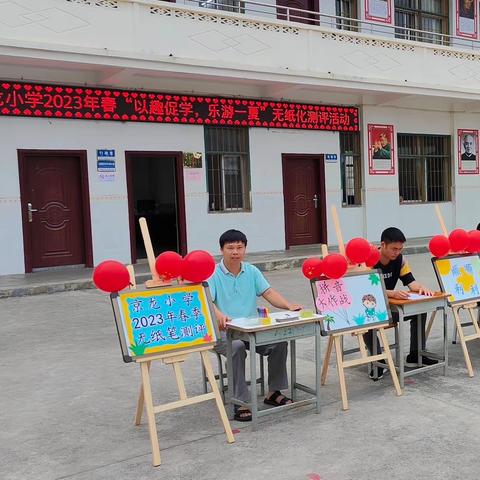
pixel 286 333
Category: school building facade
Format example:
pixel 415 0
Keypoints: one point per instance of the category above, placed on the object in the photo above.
pixel 209 115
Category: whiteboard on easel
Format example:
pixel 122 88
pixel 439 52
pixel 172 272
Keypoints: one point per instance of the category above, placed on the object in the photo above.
pixel 357 300
pixel 164 320
pixel 459 275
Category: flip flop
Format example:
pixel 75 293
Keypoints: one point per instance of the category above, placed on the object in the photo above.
pixel 243 415
pixel 273 399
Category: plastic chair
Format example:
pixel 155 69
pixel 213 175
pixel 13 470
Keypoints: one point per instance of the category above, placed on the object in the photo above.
pixel 222 375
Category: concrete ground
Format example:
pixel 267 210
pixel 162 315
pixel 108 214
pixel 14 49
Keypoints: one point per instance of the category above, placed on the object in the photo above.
pixel 68 403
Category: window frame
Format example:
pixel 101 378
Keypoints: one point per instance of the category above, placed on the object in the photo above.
pixel 356 167
pixel 220 156
pixel 425 172
pixel 419 17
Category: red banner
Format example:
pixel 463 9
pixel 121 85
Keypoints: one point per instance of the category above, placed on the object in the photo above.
pixel 90 103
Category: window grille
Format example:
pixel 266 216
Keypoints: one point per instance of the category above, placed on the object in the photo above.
pixel 228 169
pixel 424 168
pixel 351 168
pixel 347 9
pixel 427 15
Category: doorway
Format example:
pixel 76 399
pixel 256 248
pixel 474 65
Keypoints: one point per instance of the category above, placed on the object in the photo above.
pixel 156 192
pixel 304 199
pixel 55 208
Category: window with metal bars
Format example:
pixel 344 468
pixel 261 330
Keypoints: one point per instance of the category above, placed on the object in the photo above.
pixel 228 169
pixel 351 168
pixel 346 9
pixel 424 168
pixel 426 15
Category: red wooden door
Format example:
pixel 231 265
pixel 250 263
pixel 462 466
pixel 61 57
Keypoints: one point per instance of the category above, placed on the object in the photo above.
pixel 304 197
pixel 296 16
pixel 53 210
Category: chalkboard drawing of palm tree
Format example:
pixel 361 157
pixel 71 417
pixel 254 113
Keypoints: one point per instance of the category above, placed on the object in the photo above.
pixel 138 349
pixel 328 321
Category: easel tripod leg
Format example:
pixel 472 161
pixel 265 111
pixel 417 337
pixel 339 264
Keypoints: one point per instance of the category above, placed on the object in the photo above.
pixel 466 355
pixel 140 401
pixel 390 363
pixel 326 360
pixel 218 399
pixel 341 372
pixel 152 427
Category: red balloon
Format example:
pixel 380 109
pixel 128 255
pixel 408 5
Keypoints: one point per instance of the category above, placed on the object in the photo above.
pixel 169 265
pixel 473 241
pixel 458 240
pixel 334 265
pixel 312 267
pixel 357 250
pixel 439 246
pixel 111 276
pixel 198 266
pixel 373 257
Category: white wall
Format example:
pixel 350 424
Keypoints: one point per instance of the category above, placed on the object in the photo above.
pixel 108 201
pixel 264 225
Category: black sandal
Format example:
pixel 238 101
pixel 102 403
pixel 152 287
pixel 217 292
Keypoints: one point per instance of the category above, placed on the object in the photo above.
pixel 242 415
pixel 273 399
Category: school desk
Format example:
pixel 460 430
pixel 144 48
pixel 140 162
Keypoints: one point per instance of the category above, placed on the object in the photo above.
pixel 406 308
pixel 250 330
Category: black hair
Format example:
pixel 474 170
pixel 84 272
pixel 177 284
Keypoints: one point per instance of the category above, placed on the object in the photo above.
pixel 478 226
pixel 392 234
pixel 231 236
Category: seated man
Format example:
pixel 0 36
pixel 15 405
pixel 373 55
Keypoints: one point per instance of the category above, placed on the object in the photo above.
pixel 393 267
pixel 234 287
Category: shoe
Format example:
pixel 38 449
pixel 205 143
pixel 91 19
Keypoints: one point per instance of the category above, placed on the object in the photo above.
pixel 380 372
pixel 412 360
pixel 242 414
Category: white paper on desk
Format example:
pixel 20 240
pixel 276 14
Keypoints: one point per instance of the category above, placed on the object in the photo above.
pixel 417 296
pixel 284 316
pixel 244 322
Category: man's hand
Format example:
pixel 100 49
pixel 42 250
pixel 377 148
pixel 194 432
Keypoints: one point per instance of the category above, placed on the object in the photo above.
pixel 398 294
pixel 425 291
pixel 222 319
pixel 294 307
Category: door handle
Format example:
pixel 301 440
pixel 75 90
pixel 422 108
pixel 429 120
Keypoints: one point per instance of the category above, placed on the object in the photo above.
pixel 30 211
pixel 315 201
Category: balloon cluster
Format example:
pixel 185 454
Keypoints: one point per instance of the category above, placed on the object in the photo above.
pixel 458 241
pixel 334 265
pixel 196 266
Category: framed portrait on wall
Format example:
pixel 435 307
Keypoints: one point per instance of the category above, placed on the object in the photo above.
pixel 381 150
pixel 378 10
pixel 467 18
pixel 467 143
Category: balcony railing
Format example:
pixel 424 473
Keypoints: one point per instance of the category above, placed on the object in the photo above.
pixel 309 17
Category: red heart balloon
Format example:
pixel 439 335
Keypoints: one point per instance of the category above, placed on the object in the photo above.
pixel 169 265
pixel 357 250
pixel 373 257
pixel 334 265
pixel 439 246
pixel 198 266
pixel 111 276
pixel 473 241
pixel 458 240
pixel 312 267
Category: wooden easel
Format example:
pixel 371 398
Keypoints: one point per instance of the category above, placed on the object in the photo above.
pixel 470 307
pixel 174 359
pixel 336 339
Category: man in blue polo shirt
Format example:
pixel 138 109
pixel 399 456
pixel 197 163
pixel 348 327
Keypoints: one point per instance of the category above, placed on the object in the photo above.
pixel 234 287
